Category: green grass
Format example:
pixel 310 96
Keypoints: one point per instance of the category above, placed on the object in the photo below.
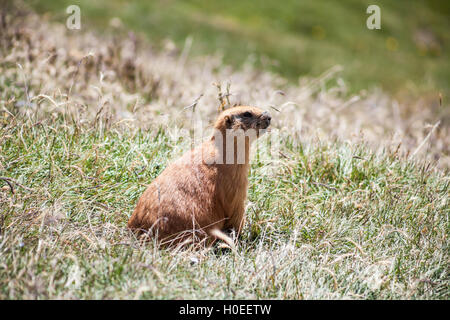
pixel 327 218
pixel 332 220
pixel 296 38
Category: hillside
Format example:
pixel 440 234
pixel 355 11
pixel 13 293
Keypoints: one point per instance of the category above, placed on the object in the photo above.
pixel 408 56
pixel 353 203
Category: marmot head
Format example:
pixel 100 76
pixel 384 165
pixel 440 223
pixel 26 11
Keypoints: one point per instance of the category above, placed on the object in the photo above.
pixel 243 117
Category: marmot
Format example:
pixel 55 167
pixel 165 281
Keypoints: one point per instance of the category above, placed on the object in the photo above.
pixel 203 193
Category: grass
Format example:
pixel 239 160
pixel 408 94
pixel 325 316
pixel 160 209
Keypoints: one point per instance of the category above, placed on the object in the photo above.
pixel 408 56
pixel 330 221
pixel 354 203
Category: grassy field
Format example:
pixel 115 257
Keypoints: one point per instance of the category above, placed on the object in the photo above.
pixel 332 221
pixel 408 56
pixel 354 204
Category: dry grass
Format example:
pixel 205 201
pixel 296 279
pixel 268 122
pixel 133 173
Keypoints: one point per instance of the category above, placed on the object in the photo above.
pixel 121 77
pixel 355 207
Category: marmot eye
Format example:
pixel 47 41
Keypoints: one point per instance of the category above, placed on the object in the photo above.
pixel 247 114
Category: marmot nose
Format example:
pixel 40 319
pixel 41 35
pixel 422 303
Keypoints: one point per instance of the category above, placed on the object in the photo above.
pixel 266 116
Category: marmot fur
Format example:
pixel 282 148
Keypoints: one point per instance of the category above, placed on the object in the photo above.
pixel 203 193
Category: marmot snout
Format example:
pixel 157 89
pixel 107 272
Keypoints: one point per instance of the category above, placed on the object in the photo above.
pixel 203 192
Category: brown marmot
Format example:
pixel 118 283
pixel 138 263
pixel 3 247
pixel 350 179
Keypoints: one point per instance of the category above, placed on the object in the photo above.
pixel 203 193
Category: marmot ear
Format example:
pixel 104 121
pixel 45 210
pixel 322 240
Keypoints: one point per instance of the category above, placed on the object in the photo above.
pixel 228 122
